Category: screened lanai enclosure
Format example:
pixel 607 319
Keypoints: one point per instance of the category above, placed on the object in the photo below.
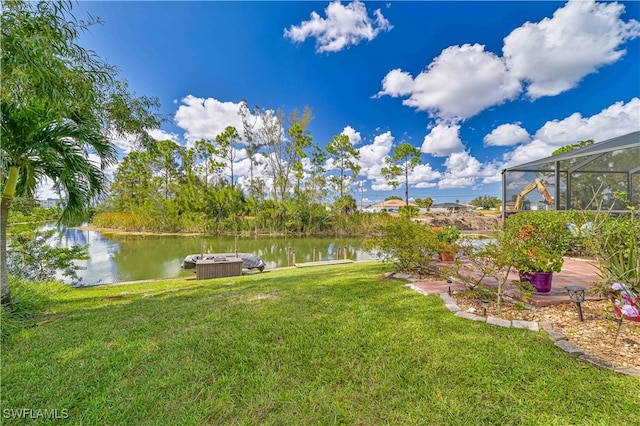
pixel 588 178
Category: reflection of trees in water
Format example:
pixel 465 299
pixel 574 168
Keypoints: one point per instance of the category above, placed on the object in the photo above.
pixel 156 257
pixel 116 258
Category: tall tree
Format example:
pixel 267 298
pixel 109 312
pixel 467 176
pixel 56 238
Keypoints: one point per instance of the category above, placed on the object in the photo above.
pixel 204 151
pixel 283 154
pixel 301 140
pixel 250 120
pixel 405 158
pixel 167 163
pixel 316 186
pixel 60 104
pixel 133 182
pixel 227 141
pixel 345 158
pixel 282 150
pixel 250 128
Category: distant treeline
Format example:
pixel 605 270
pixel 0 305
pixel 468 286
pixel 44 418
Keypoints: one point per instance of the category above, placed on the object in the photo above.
pixel 270 221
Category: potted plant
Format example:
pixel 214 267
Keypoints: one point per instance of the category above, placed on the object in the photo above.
pixel 539 242
pixel 447 236
pixel 536 264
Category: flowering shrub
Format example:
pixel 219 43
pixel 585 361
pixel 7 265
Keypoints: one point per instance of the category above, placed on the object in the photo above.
pixel 625 301
pixel 532 255
pixel 539 259
pixel 446 237
pixel 447 234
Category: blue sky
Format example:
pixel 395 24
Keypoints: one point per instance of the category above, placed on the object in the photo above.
pixel 476 85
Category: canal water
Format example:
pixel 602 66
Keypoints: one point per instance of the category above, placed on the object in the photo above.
pixel 118 258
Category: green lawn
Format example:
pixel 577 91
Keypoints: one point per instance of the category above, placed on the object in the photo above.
pixel 331 345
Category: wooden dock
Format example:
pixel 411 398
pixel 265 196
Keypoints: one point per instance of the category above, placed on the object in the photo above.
pixel 322 263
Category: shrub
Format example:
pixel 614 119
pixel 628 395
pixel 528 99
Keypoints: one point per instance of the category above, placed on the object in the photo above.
pixel 614 241
pixel 539 240
pixel 408 245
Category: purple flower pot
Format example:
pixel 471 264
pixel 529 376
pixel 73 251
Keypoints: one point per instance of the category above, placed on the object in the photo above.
pixel 541 281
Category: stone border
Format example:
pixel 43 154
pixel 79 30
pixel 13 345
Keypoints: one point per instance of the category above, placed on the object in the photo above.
pixel 559 339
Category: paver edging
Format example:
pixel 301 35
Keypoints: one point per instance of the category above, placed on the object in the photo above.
pixel 560 340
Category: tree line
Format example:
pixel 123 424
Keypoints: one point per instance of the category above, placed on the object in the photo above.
pixel 178 188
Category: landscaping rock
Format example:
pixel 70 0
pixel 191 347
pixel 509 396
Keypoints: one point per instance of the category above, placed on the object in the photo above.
pixel 499 322
pixel 546 325
pixel 470 316
pixel 597 361
pixel 401 276
pixel 531 325
pixel 461 220
pixel 556 335
pixel 628 371
pixel 569 348
pixel 447 298
pixel 452 307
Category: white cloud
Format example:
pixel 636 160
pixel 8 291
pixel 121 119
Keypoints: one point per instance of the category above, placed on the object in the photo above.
pixel 374 153
pixel 354 137
pixel 161 135
pixel 456 85
pixel 549 57
pixel 423 185
pixel 242 167
pixel 124 143
pixel 554 54
pixel 423 176
pixel 615 120
pixel 462 164
pixel 443 140
pixel 372 158
pixel 507 135
pixel 206 118
pixel 450 181
pixel 381 186
pixel 464 170
pixel 344 26
pixel 396 83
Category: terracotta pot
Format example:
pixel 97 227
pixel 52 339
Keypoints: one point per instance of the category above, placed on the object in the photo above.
pixel 541 281
pixel 447 257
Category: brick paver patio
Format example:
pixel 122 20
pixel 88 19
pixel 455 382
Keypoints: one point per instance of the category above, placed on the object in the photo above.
pixel 574 272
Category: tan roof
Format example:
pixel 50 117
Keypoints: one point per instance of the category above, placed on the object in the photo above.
pixel 393 204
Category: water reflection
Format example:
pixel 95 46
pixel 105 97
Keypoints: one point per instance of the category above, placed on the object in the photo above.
pixel 117 258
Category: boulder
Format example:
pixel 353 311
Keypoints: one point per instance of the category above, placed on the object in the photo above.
pixel 463 220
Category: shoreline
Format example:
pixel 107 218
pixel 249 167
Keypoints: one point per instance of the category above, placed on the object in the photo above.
pixel 114 231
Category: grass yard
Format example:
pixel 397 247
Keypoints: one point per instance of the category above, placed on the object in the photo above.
pixel 332 345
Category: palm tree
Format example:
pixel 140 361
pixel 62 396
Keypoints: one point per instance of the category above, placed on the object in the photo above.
pixel 59 102
pixel 37 144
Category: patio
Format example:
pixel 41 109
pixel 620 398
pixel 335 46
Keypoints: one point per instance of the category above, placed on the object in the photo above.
pixel 574 272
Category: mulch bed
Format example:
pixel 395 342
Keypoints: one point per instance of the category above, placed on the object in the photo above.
pixel 596 335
